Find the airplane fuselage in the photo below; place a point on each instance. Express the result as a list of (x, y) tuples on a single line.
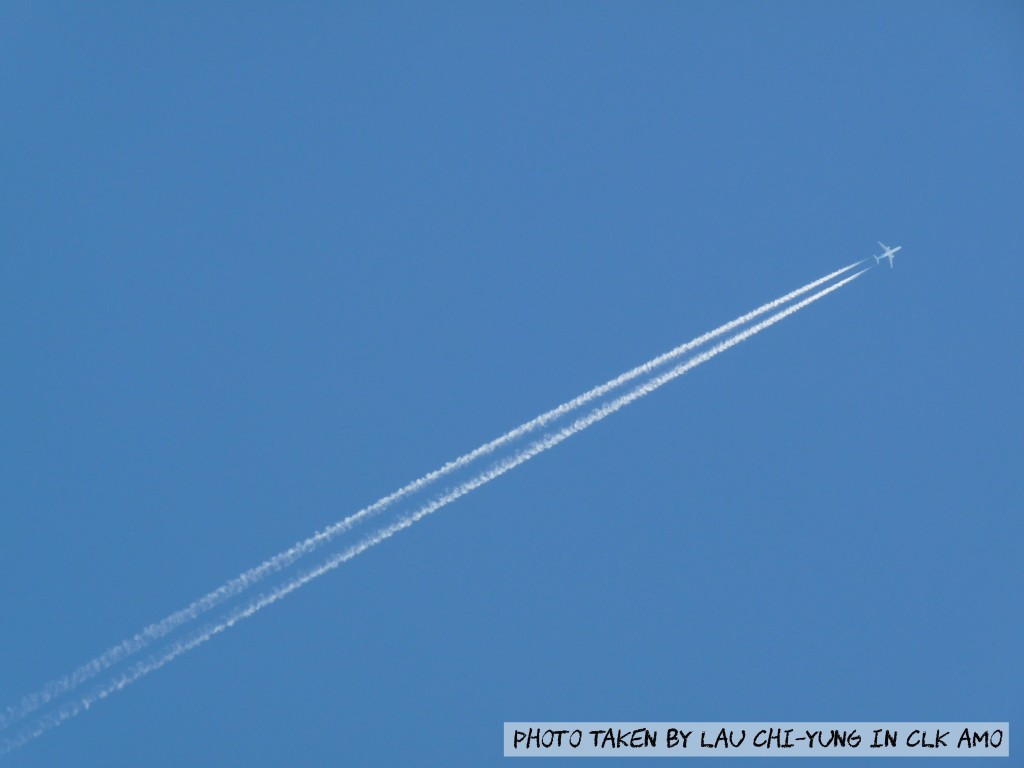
[(890, 254)]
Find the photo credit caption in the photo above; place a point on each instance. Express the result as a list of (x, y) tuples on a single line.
[(778, 739)]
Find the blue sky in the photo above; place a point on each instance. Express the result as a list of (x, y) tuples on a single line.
[(263, 265)]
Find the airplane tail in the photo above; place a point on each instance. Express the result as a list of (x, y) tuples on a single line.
[(878, 259)]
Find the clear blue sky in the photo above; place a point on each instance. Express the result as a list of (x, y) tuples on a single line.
[(261, 265)]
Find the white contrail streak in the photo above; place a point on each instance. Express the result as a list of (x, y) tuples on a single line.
[(549, 441), (279, 561)]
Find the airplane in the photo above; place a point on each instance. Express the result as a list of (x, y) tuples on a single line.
[(890, 254)]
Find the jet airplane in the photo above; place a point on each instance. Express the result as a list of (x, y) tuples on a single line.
[(890, 254)]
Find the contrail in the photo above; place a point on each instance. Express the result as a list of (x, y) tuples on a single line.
[(239, 584), (238, 614)]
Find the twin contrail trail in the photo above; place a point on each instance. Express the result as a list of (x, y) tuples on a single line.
[(256, 604), (244, 581)]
